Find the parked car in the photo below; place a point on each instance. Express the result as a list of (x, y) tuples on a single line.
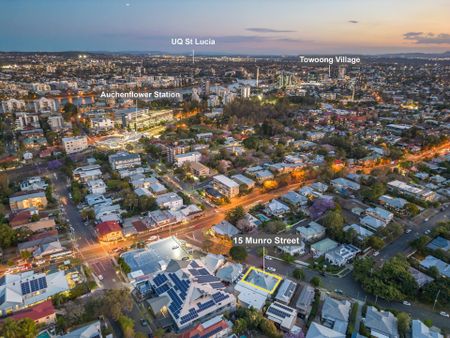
[(268, 258), (444, 314), (271, 269), (405, 302), (339, 291), (376, 253)]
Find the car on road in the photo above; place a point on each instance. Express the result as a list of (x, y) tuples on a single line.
[(268, 258), (408, 231), (376, 253), (426, 219), (339, 291), (444, 314), (100, 277), (427, 232), (405, 302), (272, 269), (143, 322)]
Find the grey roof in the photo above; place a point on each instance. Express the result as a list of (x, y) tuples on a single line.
[(381, 321), (319, 331)]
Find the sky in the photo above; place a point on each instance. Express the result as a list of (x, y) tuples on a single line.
[(282, 27)]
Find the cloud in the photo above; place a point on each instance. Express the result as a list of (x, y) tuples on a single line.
[(427, 38), (267, 30), (353, 21)]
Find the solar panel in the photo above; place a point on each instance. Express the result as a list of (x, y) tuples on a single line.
[(2, 298), (204, 306), (283, 307), (277, 312), (42, 283), (34, 285), (217, 285), (194, 264), (163, 288), (212, 333), (25, 286), (207, 279), (218, 297), (203, 271), (160, 279), (194, 272)]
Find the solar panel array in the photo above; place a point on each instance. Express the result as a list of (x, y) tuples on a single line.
[(217, 285), (190, 316), (277, 312), (2, 298), (219, 296), (163, 288), (284, 307), (204, 306), (160, 279), (33, 285)]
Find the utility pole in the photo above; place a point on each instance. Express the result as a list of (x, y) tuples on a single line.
[(264, 258), (435, 300)]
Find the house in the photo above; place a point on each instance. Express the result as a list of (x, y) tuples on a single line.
[(420, 277), (42, 245), (430, 261), (293, 249), (335, 314), (124, 160), (381, 214), (189, 294), (420, 330), (33, 183), (276, 208), (225, 228), (263, 175), (439, 243), (286, 291), (230, 272), (283, 315), (44, 223), (91, 330), (312, 232), (75, 144), (169, 201), (109, 231), (199, 169), (305, 300), (319, 331), (225, 186), (319, 186), (190, 157), (215, 327), (42, 313), (342, 254), (97, 199), (28, 199), (244, 180), (322, 247), (382, 324), (372, 222), (362, 233), (213, 262), (395, 203), (411, 190), (294, 199), (345, 184), (87, 173), (19, 291), (97, 186)]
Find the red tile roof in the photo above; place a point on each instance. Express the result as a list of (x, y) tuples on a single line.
[(105, 228), (36, 312), (200, 331)]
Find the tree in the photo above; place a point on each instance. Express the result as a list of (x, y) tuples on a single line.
[(315, 281), (404, 322), (238, 253), (375, 242), (373, 192), (159, 333), (240, 326), (127, 326), (7, 236), (298, 274), (334, 222), (273, 227), (234, 215), (115, 302), (288, 258), (412, 209), (22, 328)]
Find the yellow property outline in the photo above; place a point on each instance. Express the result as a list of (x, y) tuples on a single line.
[(278, 278)]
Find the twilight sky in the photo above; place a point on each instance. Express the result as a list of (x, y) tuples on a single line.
[(238, 26)]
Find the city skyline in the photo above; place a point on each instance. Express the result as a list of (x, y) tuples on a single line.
[(326, 27)]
